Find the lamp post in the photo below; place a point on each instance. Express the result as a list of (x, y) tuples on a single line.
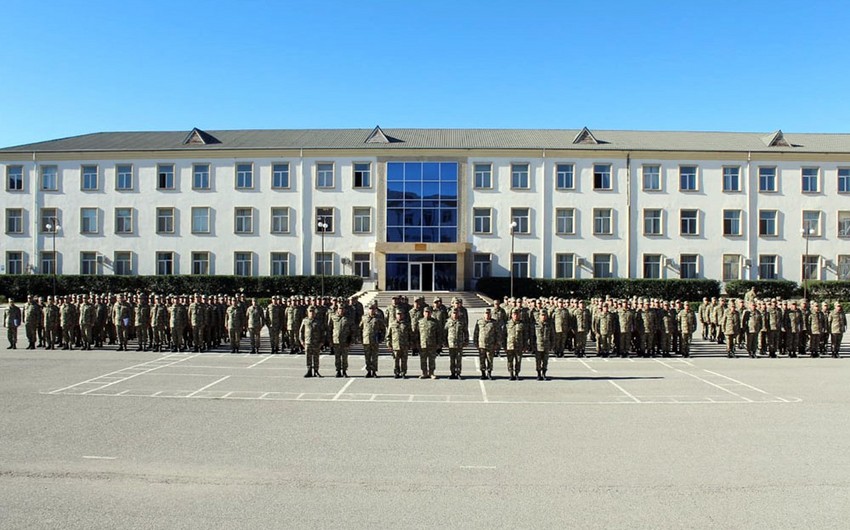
[(323, 226), (513, 231), (807, 232), (53, 227)]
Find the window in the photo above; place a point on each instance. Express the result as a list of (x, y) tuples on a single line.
[(811, 223), (122, 263), (243, 263), (482, 266), (519, 265), (843, 180), (201, 177), (565, 176), (731, 267), (565, 221), (48, 262), (483, 176), (165, 177), (482, 220), (49, 222), (200, 263), (362, 220), (767, 223), (324, 263), (14, 220), (519, 177), (49, 178), (843, 224), (689, 222), (280, 220), (362, 265), (564, 265), (124, 177), (768, 267), (732, 178), (521, 216), (810, 180), (280, 263), (731, 222), (325, 175), (652, 266), (88, 263), (165, 220), (280, 175), (245, 176), (810, 267), (88, 180), (767, 179), (602, 177), (326, 216), (14, 178), (602, 266), (688, 178), (88, 221), (200, 220), (165, 263), (14, 262), (688, 266), (651, 178), (844, 267), (602, 221), (422, 202), (652, 222), (244, 220), (363, 175), (123, 220)]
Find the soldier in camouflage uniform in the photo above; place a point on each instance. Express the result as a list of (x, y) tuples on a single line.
[(754, 321), (342, 337), (276, 322), (399, 339), (12, 319), (121, 317), (441, 314), (430, 337), (178, 320), (605, 331), (197, 322), (515, 343), (544, 336), (455, 341), (372, 332), (254, 322), (561, 324), (311, 335), (234, 321), (67, 319), (626, 318), (794, 328), (295, 313), (817, 330), (88, 314), (583, 324), (143, 323), (837, 326), (687, 325), (730, 325), (33, 318), (159, 321), (499, 315), (51, 323), (485, 337)]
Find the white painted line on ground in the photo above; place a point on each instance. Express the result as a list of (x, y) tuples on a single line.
[(208, 386), (706, 381), (100, 457), (261, 361), (592, 369), (483, 391), (140, 373), (110, 373), (738, 382), (623, 390), (343, 389), (478, 467)]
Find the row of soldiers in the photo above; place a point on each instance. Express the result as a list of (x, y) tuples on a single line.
[(771, 327)]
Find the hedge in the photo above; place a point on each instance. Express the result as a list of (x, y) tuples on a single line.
[(785, 289), (18, 286), (676, 289), (829, 290)]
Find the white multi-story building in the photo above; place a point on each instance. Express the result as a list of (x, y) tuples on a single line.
[(431, 209)]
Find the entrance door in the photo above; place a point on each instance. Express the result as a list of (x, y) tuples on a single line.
[(420, 277)]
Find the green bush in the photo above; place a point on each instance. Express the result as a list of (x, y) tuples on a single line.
[(691, 290), (785, 289), (18, 286), (829, 290)]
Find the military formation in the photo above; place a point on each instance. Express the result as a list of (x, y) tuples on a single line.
[(516, 327)]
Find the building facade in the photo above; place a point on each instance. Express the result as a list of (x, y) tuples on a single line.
[(431, 209)]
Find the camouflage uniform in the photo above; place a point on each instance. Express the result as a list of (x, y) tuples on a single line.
[(143, 324), (342, 337), (372, 332), (311, 336), (159, 321), (583, 323), (88, 314), (399, 339), (33, 318), (12, 319), (430, 336), (515, 343), (68, 318), (544, 335), (177, 324), (235, 322), (837, 327), (197, 321), (254, 322), (687, 324), (486, 336), (456, 339)]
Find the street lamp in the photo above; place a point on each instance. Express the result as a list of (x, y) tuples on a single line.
[(806, 233), (323, 226), (513, 233), (53, 227)]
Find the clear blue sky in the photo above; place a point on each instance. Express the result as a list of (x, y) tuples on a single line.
[(70, 68)]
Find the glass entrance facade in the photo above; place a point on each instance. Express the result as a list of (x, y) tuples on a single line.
[(422, 202), (421, 272)]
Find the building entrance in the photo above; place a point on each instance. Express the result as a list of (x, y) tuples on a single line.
[(421, 272)]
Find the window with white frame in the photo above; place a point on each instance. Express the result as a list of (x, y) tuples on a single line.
[(14, 220), (280, 176), (201, 177), (14, 262), (49, 221), (565, 176), (243, 263), (324, 216), (810, 267), (732, 178), (519, 177), (124, 220), (482, 175), (48, 262), (89, 178), (811, 223), (88, 221), (165, 263), (688, 266), (201, 220), (651, 177), (731, 222), (767, 179), (122, 263), (522, 218), (602, 221), (280, 220), (49, 178), (362, 175), (14, 178), (325, 175), (200, 263), (165, 177), (565, 221), (88, 263), (844, 267), (565, 265), (844, 224), (324, 263), (689, 222), (810, 177), (731, 267), (482, 220), (362, 264), (602, 177), (688, 178), (280, 263), (520, 266), (362, 220), (652, 266), (482, 265), (603, 266), (165, 220), (124, 177), (768, 225), (653, 221), (768, 267), (244, 176), (243, 220), (843, 180)]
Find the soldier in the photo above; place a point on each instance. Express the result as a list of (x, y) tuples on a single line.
[(12, 319), (687, 321), (485, 336), (543, 345), (583, 323), (515, 343), (234, 320), (441, 314), (372, 331), (430, 337), (51, 323), (455, 340), (342, 337), (295, 313), (626, 318), (772, 322), (703, 317), (730, 325), (159, 322), (817, 330), (33, 317), (794, 327), (88, 314), (255, 322), (605, 331), (67, 319), (311, 335), (276, 322), (837, 327), (754, 321), (121, 317), (177, 324), (499, 316), (143, 323), (399, 338), (650, 325), (197, 323), (561, 323), (669, 342)]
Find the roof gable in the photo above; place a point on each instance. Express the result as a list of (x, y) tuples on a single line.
[(777, 139), (584, 136), (199, 137), (377, 136)]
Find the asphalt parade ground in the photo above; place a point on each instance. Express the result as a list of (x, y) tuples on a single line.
[(106, 439)]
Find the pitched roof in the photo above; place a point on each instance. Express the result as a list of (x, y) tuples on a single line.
[(444, 139)]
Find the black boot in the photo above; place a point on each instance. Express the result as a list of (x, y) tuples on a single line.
[(338, 373), (316, 373), (483, 375), (539, 375), (345, 373), (309, 373)]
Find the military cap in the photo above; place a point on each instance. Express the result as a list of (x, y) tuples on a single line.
[(438, 299), (399, 312), (427, 309), (487, 311)]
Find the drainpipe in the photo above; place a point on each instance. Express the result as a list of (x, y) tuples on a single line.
[(35, 189), (629, 213), (546, 257), (753, 219), (306, 229)]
